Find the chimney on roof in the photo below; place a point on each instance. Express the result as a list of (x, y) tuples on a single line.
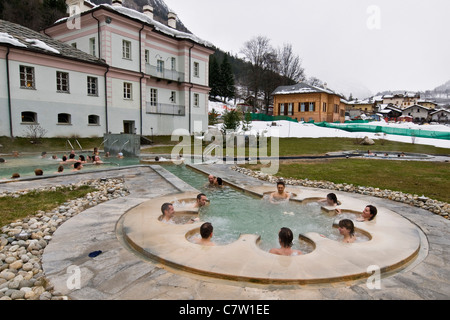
[(74, 7), (325, 85), (172, 20), (148, 10), (117, 3)]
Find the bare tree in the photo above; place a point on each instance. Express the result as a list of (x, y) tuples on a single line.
[(290, 66), (313, 81), (259, 53)]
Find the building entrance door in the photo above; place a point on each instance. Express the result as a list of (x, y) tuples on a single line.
[(128, 127)]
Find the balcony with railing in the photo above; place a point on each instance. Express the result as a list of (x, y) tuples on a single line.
[(168, 109), (166, 74)]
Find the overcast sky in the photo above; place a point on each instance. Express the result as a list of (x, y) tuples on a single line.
[(350, 44)]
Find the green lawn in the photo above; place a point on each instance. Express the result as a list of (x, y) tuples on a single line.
[(415, 177), (319, 146), (12, 209)]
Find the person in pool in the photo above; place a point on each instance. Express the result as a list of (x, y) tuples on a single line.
[(168, 214), (331, 201), (201, 200), (206, 233), (347, 229), (369, 213), (280, 194), (285, 238)]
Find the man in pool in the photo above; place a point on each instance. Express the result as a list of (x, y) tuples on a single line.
[(206, 233), (211, 181), (280, 194), (285, 238), (168, 214), (201, 200)]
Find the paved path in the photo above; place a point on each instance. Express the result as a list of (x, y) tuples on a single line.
[(120, 273)]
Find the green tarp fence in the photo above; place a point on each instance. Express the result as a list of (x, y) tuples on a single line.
[(386, 129), (265, 117)]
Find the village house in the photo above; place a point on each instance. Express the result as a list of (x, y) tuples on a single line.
[(308, 103), (132, 75), (402, 101), (418, 113), (440, 116)]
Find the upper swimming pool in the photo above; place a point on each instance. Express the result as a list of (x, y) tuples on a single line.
[(26, 164)]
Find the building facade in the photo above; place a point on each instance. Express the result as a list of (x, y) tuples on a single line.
[(308, 103), (48, 85), (112, 70), (157, 79)]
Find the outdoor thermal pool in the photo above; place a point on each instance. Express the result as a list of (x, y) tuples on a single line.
[(246, 227)]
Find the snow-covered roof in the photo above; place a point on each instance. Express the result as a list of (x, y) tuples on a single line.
[(440, 110), (15, 35), (416, 106), (301, 88), (142, 17)]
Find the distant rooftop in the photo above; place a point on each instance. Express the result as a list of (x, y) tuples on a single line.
[(302, 88)]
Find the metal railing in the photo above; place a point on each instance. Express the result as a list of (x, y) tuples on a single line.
[(166, 74), (169, 109)]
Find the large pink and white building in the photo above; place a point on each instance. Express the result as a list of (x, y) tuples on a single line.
[(151, 78)]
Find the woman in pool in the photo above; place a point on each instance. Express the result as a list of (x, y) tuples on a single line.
[(369, 213), (331, 201), (347, 229), (285, 237)]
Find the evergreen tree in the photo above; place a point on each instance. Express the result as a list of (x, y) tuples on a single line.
[(214, 77), (226, 79), (213, 117), (247, 122), (231, 121)]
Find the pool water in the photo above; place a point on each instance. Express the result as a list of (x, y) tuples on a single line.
[(233, 213), (25, 165)]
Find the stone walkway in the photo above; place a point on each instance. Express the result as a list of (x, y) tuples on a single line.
[(120, 273)]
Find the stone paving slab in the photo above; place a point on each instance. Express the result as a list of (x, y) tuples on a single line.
[(120, 273)]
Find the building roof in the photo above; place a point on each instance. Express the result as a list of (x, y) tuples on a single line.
[(15, 35), (416, 106), (302, 88), (440, 110), (142, 17)]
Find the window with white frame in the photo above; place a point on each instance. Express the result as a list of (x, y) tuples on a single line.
[(196, 69), (126, 49), (27, 77), (312, 106), (302, 107), (127, 90), (92, 47), (173, 63), (62, 82), (153, 97), (147, 56), (92, 86), (160, 66), (196, 100), (290, 109)]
